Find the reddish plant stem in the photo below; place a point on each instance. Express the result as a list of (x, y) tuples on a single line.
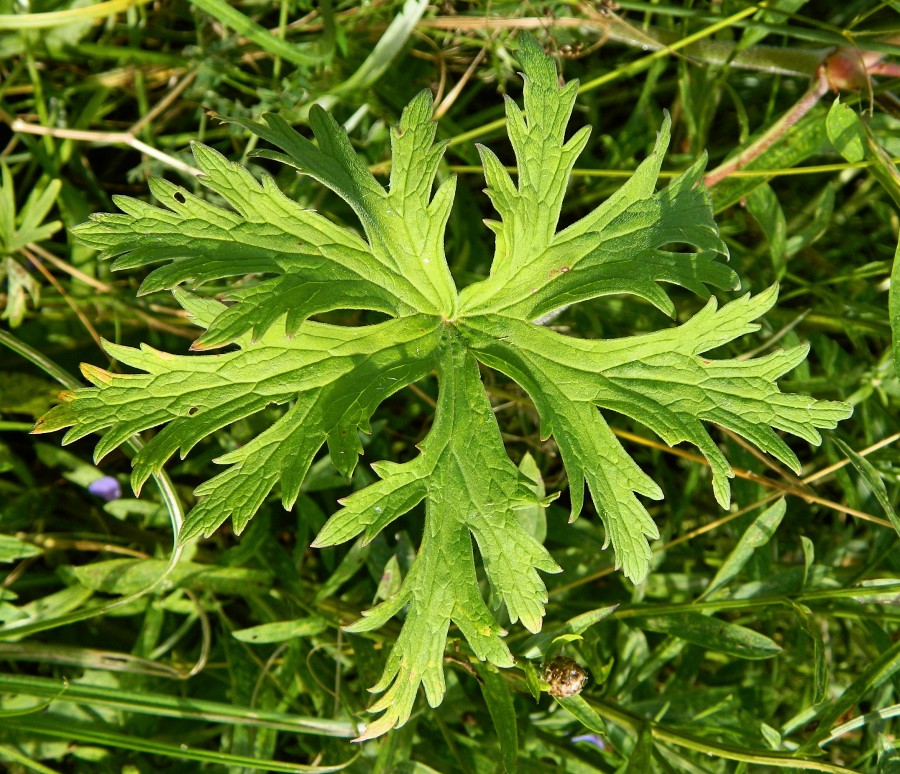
[(807, 102), (843, 69)]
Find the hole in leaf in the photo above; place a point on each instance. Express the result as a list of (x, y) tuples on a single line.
[(193, 410), (179, 197)]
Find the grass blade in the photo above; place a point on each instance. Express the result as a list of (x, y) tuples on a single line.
[(499, 700), (712, 634), (233, 18), (755, 536)]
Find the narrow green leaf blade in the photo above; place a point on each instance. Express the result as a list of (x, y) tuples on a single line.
[(894, 310), (846, 132), (881, 670), (801, 141), (813, 628), (873, 480), (583, 712), (12, 549), (499, 699), (229, 15), (281, 631), (755, 536), (712, 634), (386, 49), (128, 576), (641, 758), (763, 205)]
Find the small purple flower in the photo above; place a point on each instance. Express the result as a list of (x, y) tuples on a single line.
[(593, 739), (106, 488)]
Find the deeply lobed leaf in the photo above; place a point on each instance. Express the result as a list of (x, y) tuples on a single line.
[(331, 379), (660, 380), (471, 489), (334, 376)]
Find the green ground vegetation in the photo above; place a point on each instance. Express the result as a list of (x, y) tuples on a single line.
[(762, 631)]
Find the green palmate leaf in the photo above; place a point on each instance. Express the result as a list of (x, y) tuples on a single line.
[(285, 264), (335, 377), (657, 379), (470, 488)]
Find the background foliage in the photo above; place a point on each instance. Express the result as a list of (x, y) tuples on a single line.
[(764, 637)]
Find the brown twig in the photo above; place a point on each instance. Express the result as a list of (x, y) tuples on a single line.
[(104, 138), (812, 477), (36, 262), (807, 102)]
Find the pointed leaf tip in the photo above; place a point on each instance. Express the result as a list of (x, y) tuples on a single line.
[(331, 378)]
